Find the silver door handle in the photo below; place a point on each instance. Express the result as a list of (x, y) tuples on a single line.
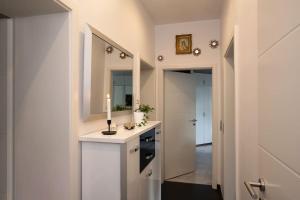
[(250, 185), (193, 120)]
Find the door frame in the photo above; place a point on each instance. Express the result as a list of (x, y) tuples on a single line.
[(9, 107), (215, 111)]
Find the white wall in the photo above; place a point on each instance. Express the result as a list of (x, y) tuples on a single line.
[(244, 14), (41, 108), (228, 19), (129, 25), (246, 98), (202, 31), (148, 81)]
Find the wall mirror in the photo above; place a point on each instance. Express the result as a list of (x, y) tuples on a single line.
[(108, 69)]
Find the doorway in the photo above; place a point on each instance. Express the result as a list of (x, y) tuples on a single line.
[(229, 137), (188, 126)]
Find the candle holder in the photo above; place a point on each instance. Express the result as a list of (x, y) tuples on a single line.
[(109, 132)]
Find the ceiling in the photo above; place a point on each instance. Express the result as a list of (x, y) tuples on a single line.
[(20, 8), (176, 11)]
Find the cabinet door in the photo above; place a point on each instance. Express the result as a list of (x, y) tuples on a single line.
[(147, 183), (157, 165), (133, 167), (150, 178)]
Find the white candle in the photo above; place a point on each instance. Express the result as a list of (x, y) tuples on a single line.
[(108, 107)]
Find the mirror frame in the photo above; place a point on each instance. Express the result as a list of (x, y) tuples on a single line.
[(87, 72)]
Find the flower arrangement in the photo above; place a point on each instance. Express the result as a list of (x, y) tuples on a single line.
[(141, 115)]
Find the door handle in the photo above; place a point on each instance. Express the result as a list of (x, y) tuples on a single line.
[(250, 185), (193, 120)]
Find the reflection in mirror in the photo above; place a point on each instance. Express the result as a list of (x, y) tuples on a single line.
[(107, 70), (98, 66), (122, 90)]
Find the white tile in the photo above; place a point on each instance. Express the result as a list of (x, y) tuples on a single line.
[(274, 21), (279, 97)]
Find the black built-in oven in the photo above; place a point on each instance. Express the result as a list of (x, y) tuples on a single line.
[(147, 148)]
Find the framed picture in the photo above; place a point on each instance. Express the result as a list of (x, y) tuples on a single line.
[(184, 44)]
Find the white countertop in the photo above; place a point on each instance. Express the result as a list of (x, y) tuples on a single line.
[(122, 135)]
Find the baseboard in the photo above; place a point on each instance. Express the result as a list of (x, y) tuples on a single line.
[(204, 144), (220, 191)]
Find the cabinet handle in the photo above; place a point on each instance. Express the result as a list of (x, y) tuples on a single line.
[(148, 157), (149, 173), (157, 132), (149, 139), (135, 149)]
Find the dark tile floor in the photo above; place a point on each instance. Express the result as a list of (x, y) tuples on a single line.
[(188, 191)]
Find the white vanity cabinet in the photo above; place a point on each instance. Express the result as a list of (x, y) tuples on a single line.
[(111, 166)]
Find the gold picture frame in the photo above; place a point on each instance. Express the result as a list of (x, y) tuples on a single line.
[(184, 44)]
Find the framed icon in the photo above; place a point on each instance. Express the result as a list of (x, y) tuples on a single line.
[(184, 44)]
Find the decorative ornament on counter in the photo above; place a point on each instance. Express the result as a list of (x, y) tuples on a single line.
[(213, 44), (196, 52), (123, 55), (129, 125), (109, 49), (160, 58), (108, 108)]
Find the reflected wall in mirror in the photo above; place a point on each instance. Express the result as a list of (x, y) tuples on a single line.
[(107, 70), (122, 90)]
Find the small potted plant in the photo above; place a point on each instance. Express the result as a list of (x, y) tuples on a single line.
[(141, 115)]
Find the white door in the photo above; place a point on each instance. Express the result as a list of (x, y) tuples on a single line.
[(204, 109), (180, 130), (279, 98)]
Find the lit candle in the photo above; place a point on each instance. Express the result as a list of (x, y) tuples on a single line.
[(108, 107)]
